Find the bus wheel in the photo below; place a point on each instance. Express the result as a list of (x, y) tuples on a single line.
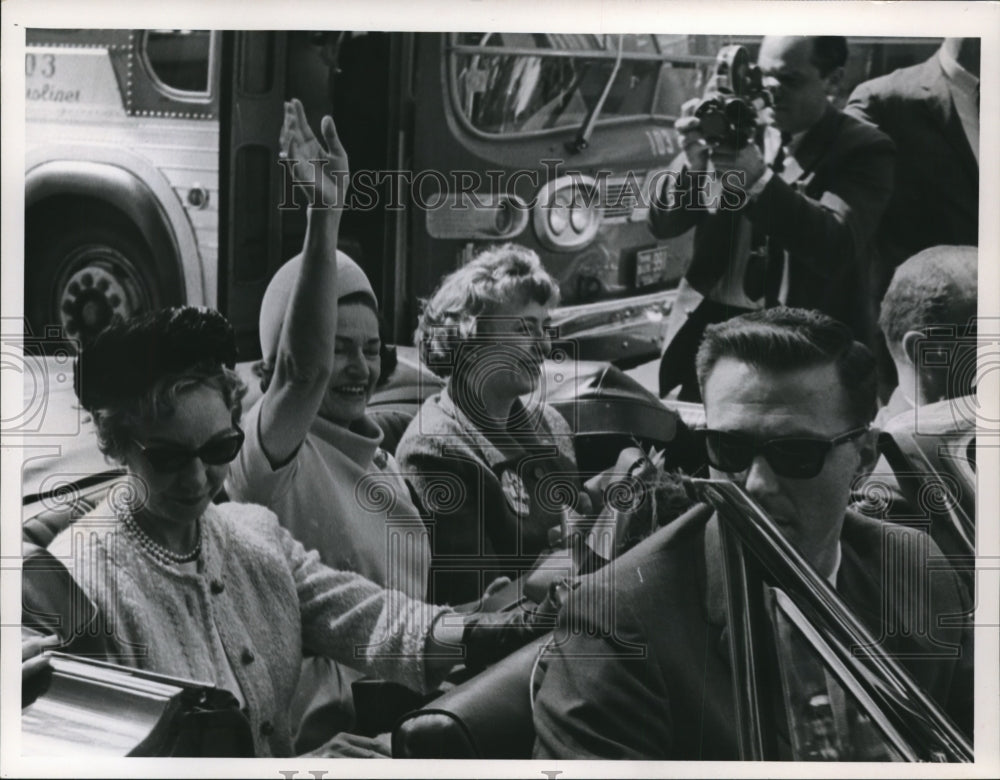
[(85, 277)]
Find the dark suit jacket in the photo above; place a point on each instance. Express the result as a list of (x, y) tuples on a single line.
[(824, 219), (646, 675), (936, 199)]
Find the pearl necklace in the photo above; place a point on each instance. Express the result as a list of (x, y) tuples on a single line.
[(158, 551)]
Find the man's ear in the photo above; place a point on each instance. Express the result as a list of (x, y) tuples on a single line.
[(911, 345), (833, 81)]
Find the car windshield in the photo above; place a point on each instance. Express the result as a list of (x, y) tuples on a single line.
[(515, 83)]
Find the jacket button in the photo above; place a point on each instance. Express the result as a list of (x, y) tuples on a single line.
[(247, 656), (217, 587), (267, 728)]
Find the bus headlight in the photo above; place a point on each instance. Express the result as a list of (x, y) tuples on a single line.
[(567, 213)]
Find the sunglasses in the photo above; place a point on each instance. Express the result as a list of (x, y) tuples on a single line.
[(167, 459), (798, 457)]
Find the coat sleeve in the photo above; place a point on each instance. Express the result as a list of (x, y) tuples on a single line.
[(829, 234), (458, 492), (600, 699), (356, 622), (864, 104), (673, 211)]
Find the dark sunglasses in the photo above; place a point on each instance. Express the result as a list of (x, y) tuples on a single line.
[(798, 457), (167, 459)]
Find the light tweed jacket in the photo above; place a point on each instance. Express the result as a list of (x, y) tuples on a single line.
[(258, 600)]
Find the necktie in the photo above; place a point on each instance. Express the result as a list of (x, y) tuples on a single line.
[(766, 264), (775, 268)]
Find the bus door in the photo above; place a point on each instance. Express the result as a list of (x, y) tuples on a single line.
[(251, 230), (365, 85)]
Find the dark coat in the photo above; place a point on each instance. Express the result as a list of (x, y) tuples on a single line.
[(936, 198), (824, 219), (645, 671)]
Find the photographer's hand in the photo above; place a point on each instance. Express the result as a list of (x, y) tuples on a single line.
[(748, 161), (688, 127)]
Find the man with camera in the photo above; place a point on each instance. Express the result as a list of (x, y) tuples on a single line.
[(799, 202)]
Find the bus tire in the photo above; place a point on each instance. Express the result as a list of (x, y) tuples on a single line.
[(82, 276)]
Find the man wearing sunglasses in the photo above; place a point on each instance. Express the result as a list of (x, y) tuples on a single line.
[(641, 666)]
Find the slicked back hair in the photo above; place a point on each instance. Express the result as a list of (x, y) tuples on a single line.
[(787, 339)]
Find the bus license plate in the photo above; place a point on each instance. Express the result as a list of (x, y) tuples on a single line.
[(650, 265)]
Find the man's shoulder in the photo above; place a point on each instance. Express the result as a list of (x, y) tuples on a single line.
[(665, 565), (875, 541), (854, 133), (901, 84)]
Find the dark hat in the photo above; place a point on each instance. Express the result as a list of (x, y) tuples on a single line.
[(130, 356)]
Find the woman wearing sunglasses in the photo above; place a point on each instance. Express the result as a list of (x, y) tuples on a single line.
[(221, 593)]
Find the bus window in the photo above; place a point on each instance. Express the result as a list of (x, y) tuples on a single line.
[(179, 61), (518, 83)]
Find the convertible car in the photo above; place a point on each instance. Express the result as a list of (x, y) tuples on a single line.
[(490, 714)]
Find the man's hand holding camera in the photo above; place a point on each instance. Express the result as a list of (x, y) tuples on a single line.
[(725, 165), (747, 163), (717, 130), (688, 127)]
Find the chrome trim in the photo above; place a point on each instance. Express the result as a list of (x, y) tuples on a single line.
[(180, 94), (743, 632), (929, 730), (546, 196), (590, 54), (844, 676)]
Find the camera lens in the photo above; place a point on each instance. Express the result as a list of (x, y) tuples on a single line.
[(713, 124)]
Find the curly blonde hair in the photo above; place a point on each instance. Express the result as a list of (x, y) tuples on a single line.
[(496, 277)]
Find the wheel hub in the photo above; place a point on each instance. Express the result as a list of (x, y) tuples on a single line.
[(100, 285)]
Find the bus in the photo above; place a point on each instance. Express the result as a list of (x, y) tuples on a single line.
[(152, 174)]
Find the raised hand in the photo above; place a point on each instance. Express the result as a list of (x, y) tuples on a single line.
[(320, 172)]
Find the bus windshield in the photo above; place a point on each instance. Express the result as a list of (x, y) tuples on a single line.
[(520, 83)]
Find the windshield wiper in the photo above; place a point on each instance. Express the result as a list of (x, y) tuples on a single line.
[(582, 140)]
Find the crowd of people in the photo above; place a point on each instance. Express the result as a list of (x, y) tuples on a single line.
[(248, 550)]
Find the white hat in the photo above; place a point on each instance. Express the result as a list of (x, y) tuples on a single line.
[(273, 309)]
